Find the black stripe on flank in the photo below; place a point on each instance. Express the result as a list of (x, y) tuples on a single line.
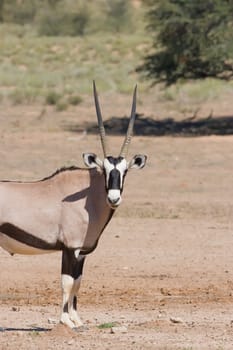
[(24, 237)]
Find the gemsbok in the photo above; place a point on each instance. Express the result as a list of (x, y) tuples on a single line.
[(67, 211)]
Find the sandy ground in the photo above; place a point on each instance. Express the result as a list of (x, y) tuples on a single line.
[(164, 265)]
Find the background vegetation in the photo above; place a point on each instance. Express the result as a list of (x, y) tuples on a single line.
[(51, 50), (191, 40)]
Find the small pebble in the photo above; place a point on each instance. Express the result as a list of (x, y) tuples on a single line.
[(70, 342), (52, 321), (176, 320), (120, 329), (15, 308)]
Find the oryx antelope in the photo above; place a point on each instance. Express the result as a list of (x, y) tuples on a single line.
[(67, 211)]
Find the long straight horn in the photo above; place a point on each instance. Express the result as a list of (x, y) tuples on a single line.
[(125, 146), (100, 121)]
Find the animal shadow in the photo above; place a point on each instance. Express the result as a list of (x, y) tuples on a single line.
[(29, 329)]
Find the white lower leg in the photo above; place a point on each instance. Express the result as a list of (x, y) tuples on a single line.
[(67, 285), (73, 303)]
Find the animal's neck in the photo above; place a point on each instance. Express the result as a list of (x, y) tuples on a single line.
[(99, 211)]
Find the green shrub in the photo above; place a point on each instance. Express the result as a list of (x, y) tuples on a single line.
[(61, 106), (52, 98), (19, 12), (191, 40), (63, 22), (74, 100), (118, 15), (23, 95)]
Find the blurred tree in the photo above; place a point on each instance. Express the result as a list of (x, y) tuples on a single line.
[(118, 14), (1, 10), (53, 3), (60, 19), (191, 40), (19, 11)]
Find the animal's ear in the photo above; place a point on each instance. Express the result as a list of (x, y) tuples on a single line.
[(92, 161), (137, 162)]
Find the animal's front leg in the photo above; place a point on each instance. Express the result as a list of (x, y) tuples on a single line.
[(72, 266), (67, 282), (77, 275)]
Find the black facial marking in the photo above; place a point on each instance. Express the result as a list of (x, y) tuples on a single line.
[(114, 160), (114, 182), (123, 181)]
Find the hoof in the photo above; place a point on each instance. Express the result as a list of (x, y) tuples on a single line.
[(80, 329)]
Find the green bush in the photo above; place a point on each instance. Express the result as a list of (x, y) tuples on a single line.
[(61, 106), (74, 100), (60, 22), (118, 15), (71, 17), (19, 12), (52, 98), (191, 40)]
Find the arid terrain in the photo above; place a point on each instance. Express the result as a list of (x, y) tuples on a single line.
[(163, 268)]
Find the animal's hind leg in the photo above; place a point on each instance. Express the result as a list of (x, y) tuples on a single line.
[(72, 266)]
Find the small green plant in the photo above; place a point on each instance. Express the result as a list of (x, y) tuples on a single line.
[(34, 333), (107, 325)]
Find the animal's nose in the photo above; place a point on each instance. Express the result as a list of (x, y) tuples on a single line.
[(114, 197), (114, 200)]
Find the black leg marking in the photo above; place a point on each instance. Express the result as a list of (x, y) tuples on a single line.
[(72, 268), (78, 267), (71, 265), (75, 303), (66, 308)]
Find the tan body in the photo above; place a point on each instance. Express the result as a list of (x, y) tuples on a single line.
[(68, 209)]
